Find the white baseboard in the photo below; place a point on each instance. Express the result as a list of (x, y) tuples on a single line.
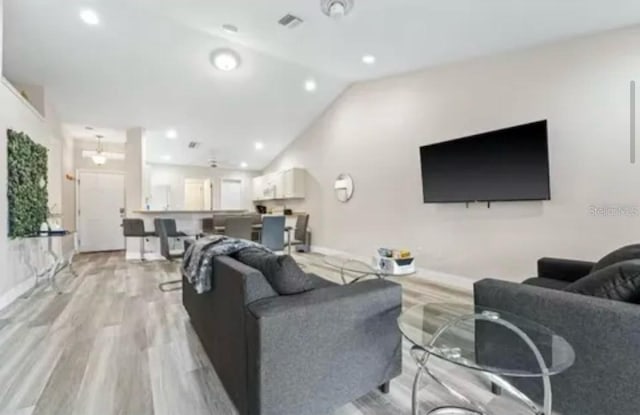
[(441, 278), (14, 293)]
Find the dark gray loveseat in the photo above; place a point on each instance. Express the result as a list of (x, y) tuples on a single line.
[(605, 335), (299, 354)]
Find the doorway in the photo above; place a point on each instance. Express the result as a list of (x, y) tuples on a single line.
[(101, 207)]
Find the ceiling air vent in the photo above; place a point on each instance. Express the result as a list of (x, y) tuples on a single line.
[(194, 144), (290, 21)]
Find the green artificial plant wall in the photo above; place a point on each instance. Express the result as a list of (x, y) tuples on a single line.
[(27, 187)]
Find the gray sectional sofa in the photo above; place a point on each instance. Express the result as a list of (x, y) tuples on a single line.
[(308, 353), (604, 333)]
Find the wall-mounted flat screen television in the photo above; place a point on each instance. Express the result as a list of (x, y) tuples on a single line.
[(511, 164)]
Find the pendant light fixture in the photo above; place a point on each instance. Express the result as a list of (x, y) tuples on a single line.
[(99, 158)]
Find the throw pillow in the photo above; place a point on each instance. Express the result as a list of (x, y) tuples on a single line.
[(282, 271), (620, 282), (622, 254)]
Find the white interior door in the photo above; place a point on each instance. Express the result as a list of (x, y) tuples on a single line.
[(100, 210), (208, 194), (193, 194), (232, 194)]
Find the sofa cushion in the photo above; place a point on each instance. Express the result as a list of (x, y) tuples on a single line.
[(282, 271), (620, 282), (621, 254)]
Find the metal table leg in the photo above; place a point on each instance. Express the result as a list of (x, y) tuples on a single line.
[(421, 356)]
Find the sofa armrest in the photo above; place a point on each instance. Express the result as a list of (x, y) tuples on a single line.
[(569, 270), (605, 336), (316, 351)]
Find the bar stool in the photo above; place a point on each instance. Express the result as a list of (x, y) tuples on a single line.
[(170, 228), (134, 228), (163, 235)]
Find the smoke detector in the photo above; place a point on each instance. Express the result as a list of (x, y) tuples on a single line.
[(336, 9), (213, 163)]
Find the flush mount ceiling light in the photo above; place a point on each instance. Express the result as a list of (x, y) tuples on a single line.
[(225, 59), (172, 134), (259, 146), (99, 159), (336, 9), (368, 59), (229, 28), (244, 165), (90, 17), (310, 85)]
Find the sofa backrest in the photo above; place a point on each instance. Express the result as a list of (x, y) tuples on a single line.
[(219, 315), (605, 336)]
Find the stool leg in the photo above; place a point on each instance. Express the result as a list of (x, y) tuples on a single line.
[(142, 258)]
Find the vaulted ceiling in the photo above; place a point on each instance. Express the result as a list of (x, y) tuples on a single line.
[(147, 62)]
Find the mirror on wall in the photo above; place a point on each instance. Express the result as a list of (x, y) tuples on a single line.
[(343, 188)]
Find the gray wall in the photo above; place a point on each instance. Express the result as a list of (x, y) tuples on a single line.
[(374, 130)]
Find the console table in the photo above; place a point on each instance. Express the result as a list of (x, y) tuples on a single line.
[(58, 261)]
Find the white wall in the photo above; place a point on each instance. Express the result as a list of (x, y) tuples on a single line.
[(68, 184), (375, 129), (16, 255), (174, 176)]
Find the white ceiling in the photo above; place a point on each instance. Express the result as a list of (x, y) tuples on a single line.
[(91, 133), (147, 62)]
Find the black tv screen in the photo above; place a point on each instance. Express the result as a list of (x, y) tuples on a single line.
[(504, 165)]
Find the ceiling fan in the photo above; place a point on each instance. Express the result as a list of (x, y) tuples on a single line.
[(336, 9)]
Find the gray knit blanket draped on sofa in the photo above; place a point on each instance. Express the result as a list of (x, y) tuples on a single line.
[(197, 263)]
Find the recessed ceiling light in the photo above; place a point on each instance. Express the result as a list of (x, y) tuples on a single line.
[(172, 134), (310, 85), (259, 146), (369, 59), (90, 17), (244, 165), (225, 59), (166, 157), (229, 28)]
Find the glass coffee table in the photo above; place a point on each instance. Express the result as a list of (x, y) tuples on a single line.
[(359, 269), (492, 343)]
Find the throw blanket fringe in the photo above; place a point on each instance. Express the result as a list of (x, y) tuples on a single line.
[(197, 264)]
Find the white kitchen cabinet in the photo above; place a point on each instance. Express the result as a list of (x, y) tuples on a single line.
[(293, 183), (288, 184), (257, 185)]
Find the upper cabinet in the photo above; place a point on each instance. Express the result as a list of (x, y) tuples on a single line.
[(288, 184)]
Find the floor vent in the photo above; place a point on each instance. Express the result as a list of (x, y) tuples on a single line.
[(290, 21)]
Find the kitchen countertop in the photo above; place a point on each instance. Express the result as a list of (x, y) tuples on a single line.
[(188, 212)]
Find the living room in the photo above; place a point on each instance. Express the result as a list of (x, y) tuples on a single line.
[(191, 110)]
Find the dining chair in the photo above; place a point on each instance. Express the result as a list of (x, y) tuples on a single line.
[(300, 233), (239, 227), (272, 235)]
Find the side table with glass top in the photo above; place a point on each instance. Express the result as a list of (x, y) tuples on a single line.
[(358, 268), (492, 343)]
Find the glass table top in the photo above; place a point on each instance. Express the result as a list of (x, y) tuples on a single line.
[(485, 339), (356, 266)]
